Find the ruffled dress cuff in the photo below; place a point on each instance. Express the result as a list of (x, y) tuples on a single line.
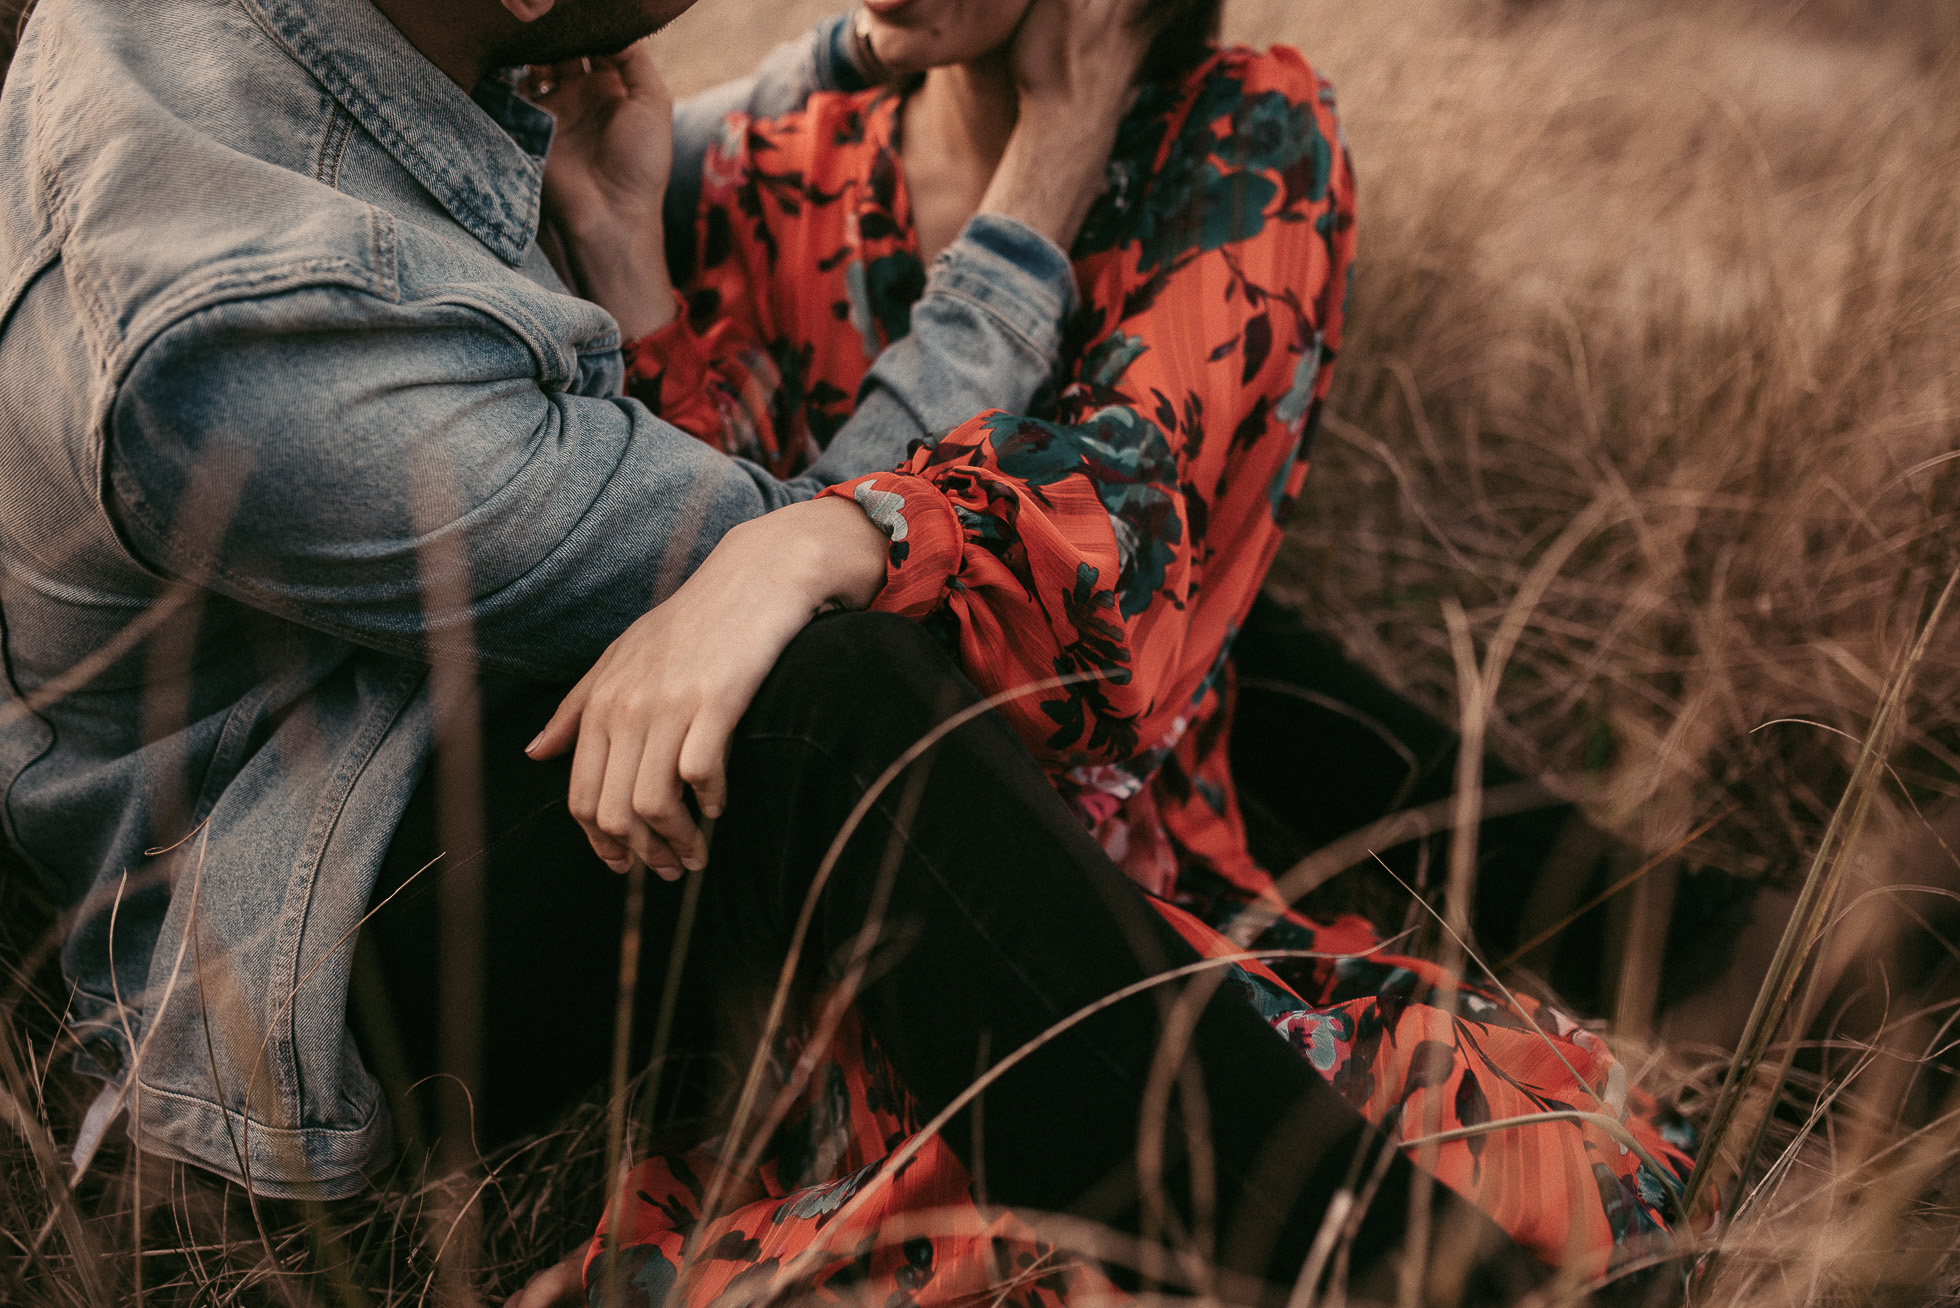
[(927, 539)]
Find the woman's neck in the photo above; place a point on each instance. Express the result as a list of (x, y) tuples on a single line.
[(957, 125)]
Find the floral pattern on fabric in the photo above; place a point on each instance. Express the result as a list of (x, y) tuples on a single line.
[(1116, 539)]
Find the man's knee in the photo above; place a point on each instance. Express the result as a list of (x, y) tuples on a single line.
[(848, 667)]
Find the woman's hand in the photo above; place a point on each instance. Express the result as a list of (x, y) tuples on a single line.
[(654, 715), (1075, 65), (605, 180), (1079, 57)]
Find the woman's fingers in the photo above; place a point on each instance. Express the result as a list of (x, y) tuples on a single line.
[(659, 805), (590, 765), (560, 733), (703, 761), (614, 814), (654, 716)]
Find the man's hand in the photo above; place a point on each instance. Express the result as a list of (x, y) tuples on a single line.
[(606, 179), (1075, 65), (653, 717)]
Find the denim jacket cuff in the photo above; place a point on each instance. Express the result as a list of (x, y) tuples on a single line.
[(1012, 273)]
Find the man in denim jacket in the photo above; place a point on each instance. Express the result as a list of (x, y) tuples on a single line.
[(292, 410)]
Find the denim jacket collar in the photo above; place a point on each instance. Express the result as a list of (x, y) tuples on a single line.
[(482, 157)]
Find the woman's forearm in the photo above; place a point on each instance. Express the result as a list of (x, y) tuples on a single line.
[(625, 273), (1050, 176), (1075, 68)]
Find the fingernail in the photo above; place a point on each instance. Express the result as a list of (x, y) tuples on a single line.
[(619, 865), (711, 811), (532, 748), (694, 864)]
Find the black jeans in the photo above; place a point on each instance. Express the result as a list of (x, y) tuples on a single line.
[(1320, 748), (551, 919), (1001, 916)]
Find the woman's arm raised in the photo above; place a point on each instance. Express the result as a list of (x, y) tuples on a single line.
[(1085, 547)]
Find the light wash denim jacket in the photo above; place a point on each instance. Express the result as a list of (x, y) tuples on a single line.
[(291, 405)]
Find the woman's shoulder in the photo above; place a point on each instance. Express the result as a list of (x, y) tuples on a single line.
[(1280, 68)]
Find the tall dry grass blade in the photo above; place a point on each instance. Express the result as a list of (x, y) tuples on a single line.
[(752, 1083), (670, 993), (65, 1216), (895, 1163), (618, 1162), (1800, 937)]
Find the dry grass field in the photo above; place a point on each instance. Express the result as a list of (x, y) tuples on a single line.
[(1644, 464)]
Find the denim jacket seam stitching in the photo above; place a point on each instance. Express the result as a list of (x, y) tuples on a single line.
[(231, 738), (304, 883), (538, 342), (301, 48), (333, 146), (173, 308), (99, 328), (251, 1124), (387, 251)]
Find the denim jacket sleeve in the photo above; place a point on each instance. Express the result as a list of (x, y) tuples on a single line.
[(987, 334), (396, 474)]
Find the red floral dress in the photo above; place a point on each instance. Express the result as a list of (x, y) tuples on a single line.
[(1114, 542)]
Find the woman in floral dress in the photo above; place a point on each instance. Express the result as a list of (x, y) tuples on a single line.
[(1111, 539)]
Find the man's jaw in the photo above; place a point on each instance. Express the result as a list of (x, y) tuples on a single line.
[(587, 29)]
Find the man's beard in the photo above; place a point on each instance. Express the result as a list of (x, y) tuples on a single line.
[(579, 29)]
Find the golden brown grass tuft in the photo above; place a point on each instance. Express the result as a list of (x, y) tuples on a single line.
[(1701, 268), (1697, 269)]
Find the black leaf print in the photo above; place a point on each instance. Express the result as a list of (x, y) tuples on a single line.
[(1224, 349), (1472, 1109), (1258, 345), (719, 240), (1430, 1063), (1253, 425), (1166, 412)]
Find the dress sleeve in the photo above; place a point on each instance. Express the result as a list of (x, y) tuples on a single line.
[(1076, 549)]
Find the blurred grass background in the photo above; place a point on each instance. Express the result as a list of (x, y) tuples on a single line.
[(1692, 267)]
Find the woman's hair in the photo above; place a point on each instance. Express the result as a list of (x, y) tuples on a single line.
[(1187, 30)]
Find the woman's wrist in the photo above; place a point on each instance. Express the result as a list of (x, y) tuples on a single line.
[(841, 550), (1053, 170), (624, 272)]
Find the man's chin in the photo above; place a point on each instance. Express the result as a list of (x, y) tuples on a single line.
[(590, 29)]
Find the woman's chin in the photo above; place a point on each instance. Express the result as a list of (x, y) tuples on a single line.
[(912, 36)]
